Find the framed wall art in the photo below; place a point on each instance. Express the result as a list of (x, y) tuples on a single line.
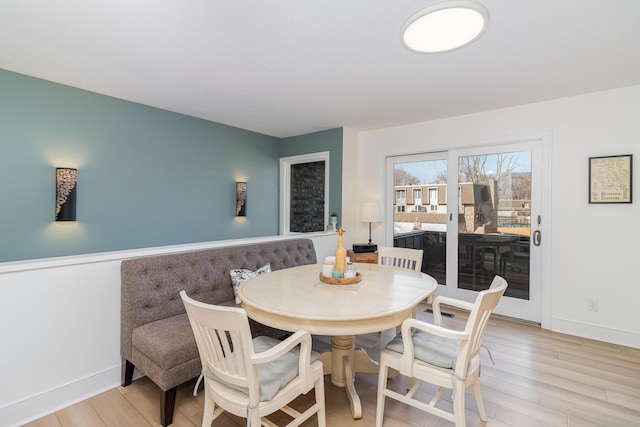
[(610, 179)]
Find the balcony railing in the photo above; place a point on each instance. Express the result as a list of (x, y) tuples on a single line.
[(480, 258)]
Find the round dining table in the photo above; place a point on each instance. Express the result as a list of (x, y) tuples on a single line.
[(295, 299)]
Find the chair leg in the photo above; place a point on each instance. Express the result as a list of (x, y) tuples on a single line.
[(479, 403), (458, 404), (319, 391), (127, 373), (382, 385), (209, 408), (255, 418), (167, 403)]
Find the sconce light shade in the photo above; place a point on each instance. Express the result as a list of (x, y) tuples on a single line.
[(241, 199), (66, 184)]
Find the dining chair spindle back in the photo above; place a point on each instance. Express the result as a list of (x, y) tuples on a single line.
[(252, 378)]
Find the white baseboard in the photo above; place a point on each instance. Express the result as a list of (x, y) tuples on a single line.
[(596, 332), (33, 407)]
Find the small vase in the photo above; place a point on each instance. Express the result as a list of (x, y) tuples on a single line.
[(341, 253)]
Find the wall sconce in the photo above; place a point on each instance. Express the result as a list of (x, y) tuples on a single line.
[(66, 184), (241, 199)]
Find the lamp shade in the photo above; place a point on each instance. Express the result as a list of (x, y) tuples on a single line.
[(370, 212)]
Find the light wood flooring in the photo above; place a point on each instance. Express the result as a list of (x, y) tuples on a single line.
[(540, 378)]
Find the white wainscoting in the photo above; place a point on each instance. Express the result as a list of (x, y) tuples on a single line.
[(60, 331)]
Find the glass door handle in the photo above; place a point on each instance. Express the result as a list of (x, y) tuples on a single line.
[(537, 237)]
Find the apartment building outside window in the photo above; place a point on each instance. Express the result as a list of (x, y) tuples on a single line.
[(433, 199)]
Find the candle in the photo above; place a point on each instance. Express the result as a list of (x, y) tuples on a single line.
[(327, 269)]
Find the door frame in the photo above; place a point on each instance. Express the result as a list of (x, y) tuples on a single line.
[(285, 186)]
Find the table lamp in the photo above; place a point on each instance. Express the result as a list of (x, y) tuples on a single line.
[(369, 212)]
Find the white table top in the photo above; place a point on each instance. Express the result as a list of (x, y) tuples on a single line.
[(295, 298)]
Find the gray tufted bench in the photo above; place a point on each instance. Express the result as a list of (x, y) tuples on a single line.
[(155, 334)]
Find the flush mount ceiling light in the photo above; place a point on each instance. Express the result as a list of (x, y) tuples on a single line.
[(444, 26)]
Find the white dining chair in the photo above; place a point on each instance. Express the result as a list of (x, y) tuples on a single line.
[(438, 355), (252, 378), (410, 259)]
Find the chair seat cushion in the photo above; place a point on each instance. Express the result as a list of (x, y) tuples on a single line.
[(274, 375), (429, 348)]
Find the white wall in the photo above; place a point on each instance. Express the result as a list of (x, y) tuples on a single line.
[(60, 332), (594, 249)]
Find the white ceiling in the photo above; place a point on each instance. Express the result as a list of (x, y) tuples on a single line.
[(291, 67)]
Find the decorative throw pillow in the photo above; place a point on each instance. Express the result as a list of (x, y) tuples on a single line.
[(239, 276)]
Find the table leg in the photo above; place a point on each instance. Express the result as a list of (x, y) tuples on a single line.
[(364, 363), (342, 370), (341, 347), (342, 362), (350, 388), (325, 358)]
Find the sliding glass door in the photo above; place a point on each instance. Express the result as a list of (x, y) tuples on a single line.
[(476, 213), (419, 208)]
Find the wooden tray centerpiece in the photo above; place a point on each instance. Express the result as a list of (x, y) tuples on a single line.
[(340, 281)]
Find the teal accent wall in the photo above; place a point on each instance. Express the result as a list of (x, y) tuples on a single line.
[(147, 177), (328, 140)]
